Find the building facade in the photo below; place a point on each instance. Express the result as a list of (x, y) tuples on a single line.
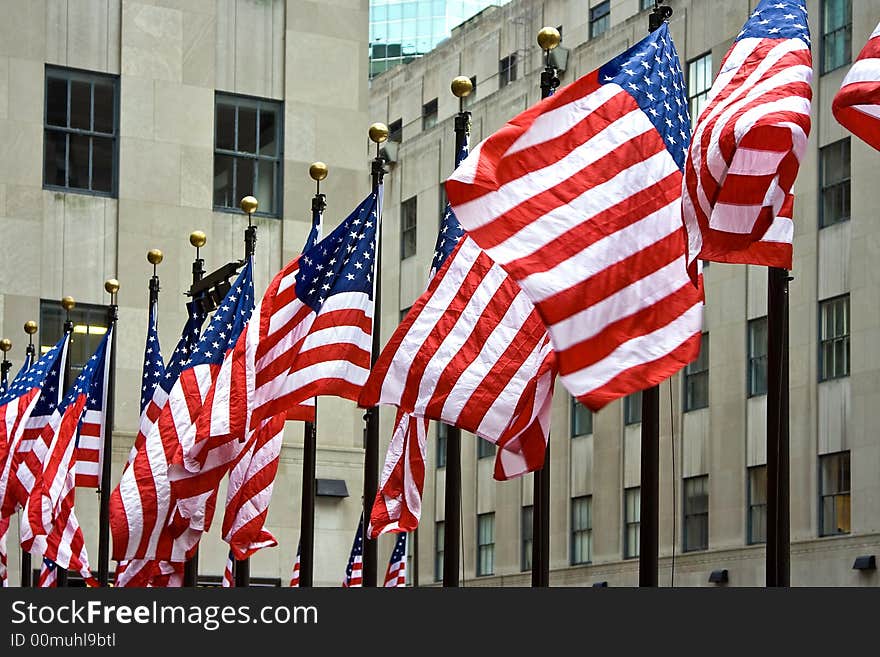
[(402, 30), (713, 414), (126, 125)]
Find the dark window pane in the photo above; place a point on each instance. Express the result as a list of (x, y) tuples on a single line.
[(247, 130), (54, 158), (80, 105), (78, 162), (225, 127), (223, 181), (244, 179), (265, 185), (102, 164), (103, 107), (268, 143), (56, 102)]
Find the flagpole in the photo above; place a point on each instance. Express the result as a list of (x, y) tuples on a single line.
[(249, 205), (461, 88), (68, 303), (198, 239), (378, 134), (548, 39), (777, 557), (112, 287), (5, 345), (649, 484), (318, 172), (27, 575)]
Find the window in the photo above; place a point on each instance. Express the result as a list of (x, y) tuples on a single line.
[(486, 544), (471, 98), (632, 408), (696, 379), (834, 494), (408, 227), (696, 513), (439, 538), (395, 131), (485, 449), (81, 129), (527, 519), (834, 338), (442, 437), (632, 504), (600, 18), (836, 34), (507, 70), (699, 83), (429, 114), (646, 4), (581, 419), (757, 374), (581, 529), (247, 152), (834, 168), (89, 326), (757, 504)]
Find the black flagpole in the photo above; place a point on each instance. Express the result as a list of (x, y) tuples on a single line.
[(461, 87), (318, 172), (378, 134), (27, 573), (548, 39), (649, 487), (248, 205), (112, 287), (778, 567), (197, 239), (5, 345), (68, 304)]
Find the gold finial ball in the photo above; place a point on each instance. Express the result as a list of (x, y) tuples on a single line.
[(249, 204), (318, 171), (549, 38), (154, 256), (5, 344), (68, 303), (198, 238), (462, 86), (111, 285), (378, 132), (30, 327)]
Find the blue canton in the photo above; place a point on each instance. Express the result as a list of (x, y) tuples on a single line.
[(90, 379), (451, 231), (773, 19), (399, 552), (46, 374), (189, 338), (154, 368), (28, 363), (342, 261), (227, 323), (315, 233), (651, 73)]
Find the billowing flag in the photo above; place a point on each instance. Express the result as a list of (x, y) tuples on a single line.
[(4, 555), (857, 105), (48, 575), (294, 577), (354, 571), (90, 436), (395, 575), (579, 199), (748, 143), (229, 572)]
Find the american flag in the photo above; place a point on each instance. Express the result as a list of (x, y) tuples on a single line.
[(294, 577), (396, 574), (579, 199), (354, 571), (90, 439), (48, 574), (142, 504), (25, 409), (229, 572), (857, 105), (49, 526), (4, 555), (748, 143)]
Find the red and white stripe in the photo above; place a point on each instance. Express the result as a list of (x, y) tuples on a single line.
[(578, 199), (745, 154), (4, 554), (856, 105), (90, 449), (15, 415), (229, 572), (48, 576), (294, 577)]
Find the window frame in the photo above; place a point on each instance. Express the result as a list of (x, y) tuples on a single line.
[(69, 75), (485, 449), (429, 114), (409, 209), (88, 312), (395, 131), (507, 70), (844, 337), (843, 183), (697, 99), (595, 17), (442, 435), (576, 533), (689, 374), (632, 551), (754, 361), (485, 548), (252, 102), (573, 414), (823, 48), (751, 505), (700, 514), (439, 549), (632, 408), (834, 495), (526, 519)]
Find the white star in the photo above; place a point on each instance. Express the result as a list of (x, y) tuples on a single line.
[(359, 265), (350, 277), (773, 30)]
